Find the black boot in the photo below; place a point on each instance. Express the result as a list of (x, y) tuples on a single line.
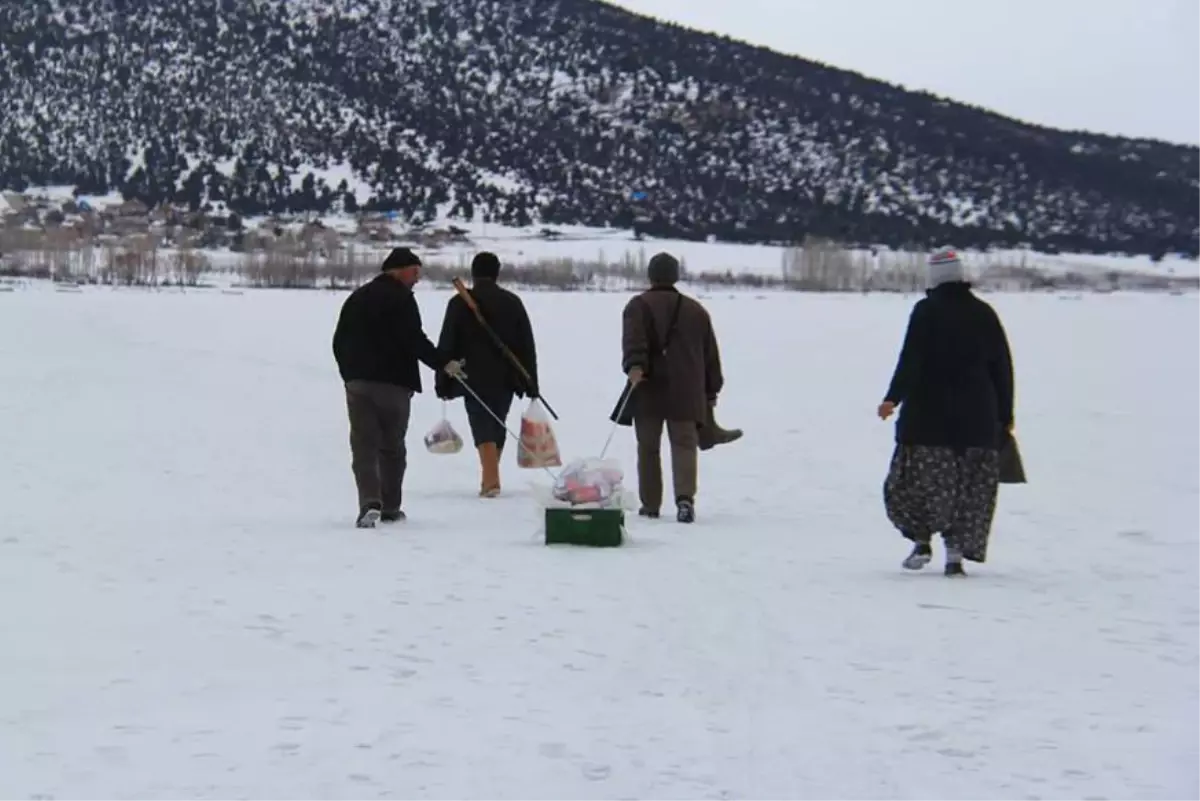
[(685, 510), (650, 513)]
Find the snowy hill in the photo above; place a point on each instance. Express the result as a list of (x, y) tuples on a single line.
[(553, 111)]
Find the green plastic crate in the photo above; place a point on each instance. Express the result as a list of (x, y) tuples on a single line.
[(598, 528)]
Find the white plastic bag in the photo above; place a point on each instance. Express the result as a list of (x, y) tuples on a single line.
[(442, 438), (538, 447), (590, 481)]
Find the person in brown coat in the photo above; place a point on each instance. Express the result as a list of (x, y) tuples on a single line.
[(670, 353)]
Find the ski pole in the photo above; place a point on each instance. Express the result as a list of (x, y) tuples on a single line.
[(612, 432), (503, 424)]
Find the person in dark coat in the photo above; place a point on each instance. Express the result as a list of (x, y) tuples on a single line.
[(377, 344), (676, 388), (491, 374), (953, 384)]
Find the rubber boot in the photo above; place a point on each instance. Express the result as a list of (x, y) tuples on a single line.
[(489, 468), (712, 435)]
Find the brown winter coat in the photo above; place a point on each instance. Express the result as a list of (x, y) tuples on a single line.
[(681, 384)]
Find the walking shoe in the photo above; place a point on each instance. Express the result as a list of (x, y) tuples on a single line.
[(921, 554), (393, 516), (954, 561), (368, 517), (685, 511), (651, 513)]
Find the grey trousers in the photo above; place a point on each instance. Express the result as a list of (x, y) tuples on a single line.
[(379, 416), (684, 437)]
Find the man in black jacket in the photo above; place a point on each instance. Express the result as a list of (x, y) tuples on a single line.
[(377, 344), (494, 378)]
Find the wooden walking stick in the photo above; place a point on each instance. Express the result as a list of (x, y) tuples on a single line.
[(461, 289)]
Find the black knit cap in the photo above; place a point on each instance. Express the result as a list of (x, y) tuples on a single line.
[(400, 257), (663, 270), (485, 265)]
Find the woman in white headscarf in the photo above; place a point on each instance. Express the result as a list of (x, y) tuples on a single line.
[(953, 384)]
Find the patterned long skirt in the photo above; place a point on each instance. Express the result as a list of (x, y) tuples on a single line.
[(930, 490)]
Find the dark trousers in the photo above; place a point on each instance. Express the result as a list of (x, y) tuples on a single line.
[(484, 427), (378, 456), (683, 436)]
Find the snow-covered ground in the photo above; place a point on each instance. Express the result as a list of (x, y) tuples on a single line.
[(187, 612)]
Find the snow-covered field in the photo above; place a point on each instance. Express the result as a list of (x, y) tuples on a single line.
[(187, 611)]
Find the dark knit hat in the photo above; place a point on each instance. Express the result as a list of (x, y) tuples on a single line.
[(485, 265), (663, 270), (398, 258)]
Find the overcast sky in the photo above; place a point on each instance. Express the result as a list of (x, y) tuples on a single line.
[(1128, 67)]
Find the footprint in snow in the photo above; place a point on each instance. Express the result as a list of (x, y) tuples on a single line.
[(1136, 534)]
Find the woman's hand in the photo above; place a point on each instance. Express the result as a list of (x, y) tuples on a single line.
[(885, 410)]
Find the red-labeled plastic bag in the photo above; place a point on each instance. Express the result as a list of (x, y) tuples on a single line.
[(538, 446)]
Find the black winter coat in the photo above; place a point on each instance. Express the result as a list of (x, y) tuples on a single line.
[(954, 378), (379, 336), (489, 372)]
